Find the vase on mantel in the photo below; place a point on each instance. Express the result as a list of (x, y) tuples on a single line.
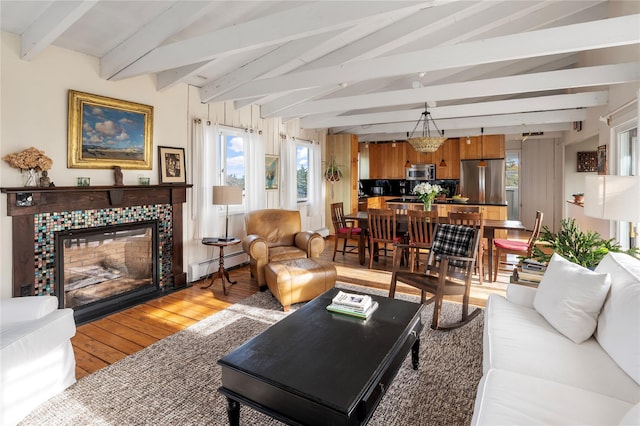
[(30, 176)]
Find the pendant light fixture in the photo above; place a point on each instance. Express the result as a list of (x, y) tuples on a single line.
[(443, 163), (426, 142), (482, 163)]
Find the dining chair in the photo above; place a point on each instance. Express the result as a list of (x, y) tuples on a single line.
[(345, 231), (473, 219), (517, 247), (382, 231), (421, 225), (448, 271)]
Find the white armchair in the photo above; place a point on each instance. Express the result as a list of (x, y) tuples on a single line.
[(36, 356)]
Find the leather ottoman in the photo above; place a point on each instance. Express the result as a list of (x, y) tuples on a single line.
[(299, 280)]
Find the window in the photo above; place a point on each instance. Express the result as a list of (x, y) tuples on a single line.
[(302, 173), (628, 159), (513, 184), (232, 159)]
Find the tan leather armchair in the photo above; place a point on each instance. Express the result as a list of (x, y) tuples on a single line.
[(275, 235)]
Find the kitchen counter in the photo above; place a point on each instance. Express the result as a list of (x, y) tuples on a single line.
[(448, 201)]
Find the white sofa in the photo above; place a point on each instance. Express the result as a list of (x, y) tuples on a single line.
[(535, 372), (36, 356)]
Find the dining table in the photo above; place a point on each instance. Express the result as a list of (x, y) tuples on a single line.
[(490, 227)]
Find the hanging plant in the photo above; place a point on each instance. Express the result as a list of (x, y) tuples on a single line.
[(333, 172)]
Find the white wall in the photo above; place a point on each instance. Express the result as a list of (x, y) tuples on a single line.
[(33, 112), (574, 180)]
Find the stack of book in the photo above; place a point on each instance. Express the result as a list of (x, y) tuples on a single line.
[(356, 305), (530, 272)]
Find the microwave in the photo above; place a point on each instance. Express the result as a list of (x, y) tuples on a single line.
[(421, 172)]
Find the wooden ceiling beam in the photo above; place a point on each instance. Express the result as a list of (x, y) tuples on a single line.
[(54, 21), (604, 33)]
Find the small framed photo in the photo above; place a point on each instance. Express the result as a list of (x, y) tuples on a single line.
[(271, 171), (172, 165), (602, 160)]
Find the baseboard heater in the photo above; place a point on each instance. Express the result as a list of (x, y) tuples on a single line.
[(203, 269)]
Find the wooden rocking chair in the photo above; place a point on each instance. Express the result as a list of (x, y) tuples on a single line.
[(448, 272)]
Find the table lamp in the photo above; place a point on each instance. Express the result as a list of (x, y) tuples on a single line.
[(223, 196), (614, 198)]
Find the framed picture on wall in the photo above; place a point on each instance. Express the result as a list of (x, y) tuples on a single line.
[(271, 171), (587, 161), (105, 132), (602, 160), (172, 165)]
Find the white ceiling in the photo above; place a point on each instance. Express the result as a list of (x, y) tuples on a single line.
[(363, 67)]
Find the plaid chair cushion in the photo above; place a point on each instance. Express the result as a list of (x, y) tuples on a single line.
[(453, 240)]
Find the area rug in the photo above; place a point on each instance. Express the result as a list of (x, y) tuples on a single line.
[(175, 380)]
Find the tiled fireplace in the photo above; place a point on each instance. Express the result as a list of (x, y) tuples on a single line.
[(121, 243)]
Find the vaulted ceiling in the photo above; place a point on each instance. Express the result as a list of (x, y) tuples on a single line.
[(363, 67)]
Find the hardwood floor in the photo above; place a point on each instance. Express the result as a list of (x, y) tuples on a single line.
[(107, 340)]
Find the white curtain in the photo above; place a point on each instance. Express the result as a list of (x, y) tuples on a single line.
[(288, 192), (315, 180), (205, 141), (255, 194)]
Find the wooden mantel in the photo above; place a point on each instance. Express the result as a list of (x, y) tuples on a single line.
[(25, 202)]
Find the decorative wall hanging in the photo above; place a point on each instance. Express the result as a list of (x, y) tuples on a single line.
[(105, 132), (172, 165), (271, 171), (587, 161), (603, 168)]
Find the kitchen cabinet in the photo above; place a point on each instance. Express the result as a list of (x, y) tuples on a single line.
[(489, 146), (450, 152), (386, 160)]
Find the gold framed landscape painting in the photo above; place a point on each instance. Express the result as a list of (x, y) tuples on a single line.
[(106, 132)]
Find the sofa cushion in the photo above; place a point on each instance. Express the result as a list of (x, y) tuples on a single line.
[(277, 254), (508, 398), (519, 339), (619, 321), (570, 297)]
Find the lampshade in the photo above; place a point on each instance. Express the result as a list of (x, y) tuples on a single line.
[(426, 142), (612, 197), (226, 195)]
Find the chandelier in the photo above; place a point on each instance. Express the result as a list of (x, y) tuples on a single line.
[(426, 142)]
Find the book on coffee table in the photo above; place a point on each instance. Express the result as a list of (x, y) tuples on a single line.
[(353, 302), (345, 310)]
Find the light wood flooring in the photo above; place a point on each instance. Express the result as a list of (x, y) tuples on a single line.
[(109, 339)]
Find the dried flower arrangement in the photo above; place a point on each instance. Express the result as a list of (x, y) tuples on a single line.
[(30, 158)]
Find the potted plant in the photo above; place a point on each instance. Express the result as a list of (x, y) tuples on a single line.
[(332, 171), (584, 248)]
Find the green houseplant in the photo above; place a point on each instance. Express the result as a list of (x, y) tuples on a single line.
[(584, 248), (332, 171)]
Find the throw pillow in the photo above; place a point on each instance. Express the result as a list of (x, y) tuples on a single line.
[(570, 297)]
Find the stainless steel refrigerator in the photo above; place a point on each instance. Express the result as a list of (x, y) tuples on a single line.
[(484, 184)]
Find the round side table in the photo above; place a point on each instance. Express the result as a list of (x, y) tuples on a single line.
[(221, 272)]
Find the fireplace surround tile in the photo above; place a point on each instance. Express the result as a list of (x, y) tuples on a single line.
[(47, 224)]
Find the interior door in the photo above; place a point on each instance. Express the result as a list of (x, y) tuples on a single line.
[(539, 183)]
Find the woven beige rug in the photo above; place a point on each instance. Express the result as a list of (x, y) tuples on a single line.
[(175, 381)]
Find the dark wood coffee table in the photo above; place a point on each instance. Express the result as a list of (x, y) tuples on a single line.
[(318, 368)]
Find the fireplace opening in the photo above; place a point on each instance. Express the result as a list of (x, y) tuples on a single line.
[(103, 270)]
